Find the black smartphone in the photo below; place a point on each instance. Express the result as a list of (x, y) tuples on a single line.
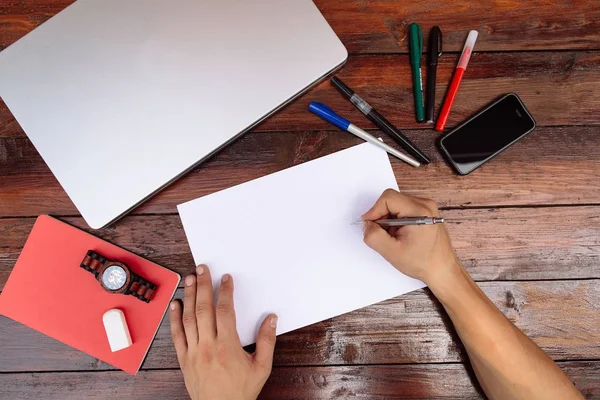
[(487, 134)]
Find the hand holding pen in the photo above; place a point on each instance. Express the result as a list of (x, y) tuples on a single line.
[(424, 253)]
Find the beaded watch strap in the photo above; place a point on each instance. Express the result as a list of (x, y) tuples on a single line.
[(92, 262), (139, 287)]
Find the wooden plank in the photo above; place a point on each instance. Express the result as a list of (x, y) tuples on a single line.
[(558, 88), (381, 26), (552, 166), (453, 381), (9, 127), (494, 244), (412, 328), (445, 381)]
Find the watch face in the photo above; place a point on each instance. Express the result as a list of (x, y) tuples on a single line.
[(114, 277)]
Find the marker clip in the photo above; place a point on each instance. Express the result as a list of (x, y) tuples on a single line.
[(439, 42)]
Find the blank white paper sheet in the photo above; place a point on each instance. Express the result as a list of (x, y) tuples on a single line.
[(289, 241)]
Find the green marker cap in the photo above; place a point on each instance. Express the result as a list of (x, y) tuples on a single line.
[(416, 43)]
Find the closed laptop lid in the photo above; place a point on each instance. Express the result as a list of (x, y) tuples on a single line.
[(121, 97)]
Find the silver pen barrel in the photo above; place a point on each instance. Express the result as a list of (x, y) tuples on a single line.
[(410, 221)]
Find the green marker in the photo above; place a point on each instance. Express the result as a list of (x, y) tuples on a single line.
[(416, 50)]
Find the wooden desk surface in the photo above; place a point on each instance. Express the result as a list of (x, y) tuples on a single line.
[(535, 249)]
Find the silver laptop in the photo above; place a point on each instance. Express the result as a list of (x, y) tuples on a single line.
[(122, 97)]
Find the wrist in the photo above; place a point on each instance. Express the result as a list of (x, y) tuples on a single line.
[(447, 279)]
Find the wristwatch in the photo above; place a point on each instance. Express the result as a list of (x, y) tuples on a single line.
[(116, 277)]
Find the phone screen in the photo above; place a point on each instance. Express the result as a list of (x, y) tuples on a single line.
[(487, 134)]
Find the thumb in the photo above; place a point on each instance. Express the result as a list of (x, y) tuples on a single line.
[(378, 239), (265, 342)]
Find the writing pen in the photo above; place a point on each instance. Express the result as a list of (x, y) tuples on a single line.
[(379, 120), (416, 51), (456, 80), (329, 115), (409, 221), (434, 51)]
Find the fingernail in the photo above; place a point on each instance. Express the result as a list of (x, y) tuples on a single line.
[(189, 280), (173, 306), (199, 270), (225, 278), (273, 322), (365, 224)]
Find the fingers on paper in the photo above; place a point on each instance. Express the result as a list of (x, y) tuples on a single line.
[(177, 331), (265, 343), (190, 324), (226, 327), (393, 203), (204, 309)]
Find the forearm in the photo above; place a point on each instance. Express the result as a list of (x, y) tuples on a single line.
[(507, 363)]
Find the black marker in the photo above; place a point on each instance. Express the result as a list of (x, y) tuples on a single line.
[(380, 121), (434, 51)]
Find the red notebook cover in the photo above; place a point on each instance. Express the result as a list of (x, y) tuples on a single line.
[(49, 292)]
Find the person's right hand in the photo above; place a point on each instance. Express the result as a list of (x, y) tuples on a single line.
[(421, 252)]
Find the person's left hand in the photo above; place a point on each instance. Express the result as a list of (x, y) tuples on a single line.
[(214, 364)]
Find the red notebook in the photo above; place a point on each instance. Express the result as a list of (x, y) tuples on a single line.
[(49, 292)]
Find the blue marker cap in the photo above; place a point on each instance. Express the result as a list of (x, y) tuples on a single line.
[(327, 114)]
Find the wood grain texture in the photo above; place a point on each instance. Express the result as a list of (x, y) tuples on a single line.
[(450, 381), (504, 244), (410, 337), (552, 166), (381, 26), (558, 89), (560, 316)]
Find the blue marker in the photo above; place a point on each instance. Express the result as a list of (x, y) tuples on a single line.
[(329, 115)]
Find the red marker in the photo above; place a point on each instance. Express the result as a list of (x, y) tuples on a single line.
[(456, 79)]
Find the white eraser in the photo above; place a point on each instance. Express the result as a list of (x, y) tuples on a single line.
[(116, 330)]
